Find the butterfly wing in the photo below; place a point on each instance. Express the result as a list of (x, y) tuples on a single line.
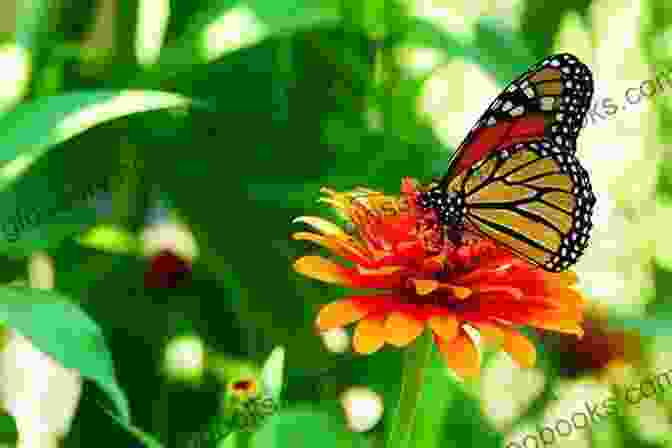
[(550, 100), (534, 198)]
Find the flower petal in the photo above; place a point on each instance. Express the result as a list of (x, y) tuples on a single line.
[(491, 333), (369, 336), (401, 329), (339, 314), (496, 289), (565, 298), (424, 287), (444, 326), (519, 347), (350, 250), (561, 279), (327, 228), (461, 355), (320, 268), (557, 321), (461, 292)]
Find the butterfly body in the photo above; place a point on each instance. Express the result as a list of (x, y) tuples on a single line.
[(515, 178)]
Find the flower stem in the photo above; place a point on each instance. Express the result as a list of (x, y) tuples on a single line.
[(243, 439), (416, 358)]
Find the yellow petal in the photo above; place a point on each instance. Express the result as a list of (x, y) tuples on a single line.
[(424, 287), (445, 327), (334, 244), (338, 314), (519, 347), (491, 333), (401, 329), (320, 268), (461, 355), (327, 228), (369, 336)]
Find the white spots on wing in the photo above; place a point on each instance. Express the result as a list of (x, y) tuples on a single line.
[(546, 103), (518, 111)]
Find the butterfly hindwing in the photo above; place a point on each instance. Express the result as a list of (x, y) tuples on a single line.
[(549, 101), (533, 197)]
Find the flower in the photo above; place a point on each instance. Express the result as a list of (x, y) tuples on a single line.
[(167, 270), (248, 406), (424, 280)]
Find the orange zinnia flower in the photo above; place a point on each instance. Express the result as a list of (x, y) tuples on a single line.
[(426, 281)]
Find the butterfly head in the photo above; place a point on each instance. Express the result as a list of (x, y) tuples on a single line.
[(448, 206)]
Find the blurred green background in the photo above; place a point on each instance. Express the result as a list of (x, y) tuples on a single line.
[(273, 99)]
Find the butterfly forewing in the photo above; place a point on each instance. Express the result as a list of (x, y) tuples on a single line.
[(549, 101), (533, 197)]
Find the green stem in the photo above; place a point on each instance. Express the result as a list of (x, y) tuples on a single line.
[(416, 358), (243, 439)]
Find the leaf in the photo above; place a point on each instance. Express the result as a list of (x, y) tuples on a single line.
[(34, 20), (272, 373), (500, 50), (317, 428), (658, 325), (421, 33), (231, 25), (147, 439), (40, 189), (540, 22), (34, 128), (59, 328)]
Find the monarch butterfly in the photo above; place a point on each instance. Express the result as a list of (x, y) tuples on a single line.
[(515, 178)]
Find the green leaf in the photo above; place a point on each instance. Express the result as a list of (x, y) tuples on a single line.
[(39, 188), (272, 373), (147, 439), (231, 25), (500, 50), (540, 22), (421, 33), (317, 428), (658, 325), (34, 20), (59, 328), (34, 128)]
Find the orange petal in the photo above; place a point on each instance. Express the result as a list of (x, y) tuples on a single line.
[(445, 327), (561, 279), (385, 270), (327, 228), (338, 314), (557, 322), (519, 347), (461, 292), (491, 333), (566, 298), (369, 336), (401, 329), (424, 287), (461, 355), (339, 247), (514, 292), (320, 268)]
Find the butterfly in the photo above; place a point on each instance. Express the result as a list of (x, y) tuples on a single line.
[(515, 177)]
